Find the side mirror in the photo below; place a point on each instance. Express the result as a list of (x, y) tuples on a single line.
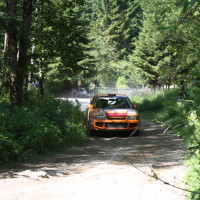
[(90, 106), (134, 106)]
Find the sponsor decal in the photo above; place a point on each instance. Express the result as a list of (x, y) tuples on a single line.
[(119, 113)]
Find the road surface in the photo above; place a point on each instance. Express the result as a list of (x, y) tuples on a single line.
[(111, 166)]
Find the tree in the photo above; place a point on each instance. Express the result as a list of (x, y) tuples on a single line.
[(153, 48), (13, 39), (16, 47), (3, 70), (124, 26), (60, 45), (113, 29), (56, 38), (188, 53)]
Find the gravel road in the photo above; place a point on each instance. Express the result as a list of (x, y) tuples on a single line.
[(111, 166)]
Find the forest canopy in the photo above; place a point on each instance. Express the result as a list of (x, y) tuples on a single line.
[(109, 42)]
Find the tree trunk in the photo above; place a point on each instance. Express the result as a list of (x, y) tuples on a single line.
[(41, 72), (10, 49), (41, 80), (23, 48), (17, 67)]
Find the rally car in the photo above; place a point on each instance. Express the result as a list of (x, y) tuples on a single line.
[(112, 112)]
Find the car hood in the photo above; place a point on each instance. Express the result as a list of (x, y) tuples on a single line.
[(119, 112)]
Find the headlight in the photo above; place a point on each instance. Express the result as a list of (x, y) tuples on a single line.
[(132, 117), (99, 115), (132, 112)]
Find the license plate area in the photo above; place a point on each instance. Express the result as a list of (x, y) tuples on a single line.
[(116, 125)]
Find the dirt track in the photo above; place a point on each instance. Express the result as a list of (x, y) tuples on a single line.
[(104, 167)]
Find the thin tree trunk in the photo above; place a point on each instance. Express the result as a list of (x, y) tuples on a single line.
[(41, 72), (41, 80), (23, 48), (10, 49)]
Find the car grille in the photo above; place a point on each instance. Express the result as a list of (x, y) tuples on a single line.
[(99, 124), (119, 118), (132, 125), (116, 125)]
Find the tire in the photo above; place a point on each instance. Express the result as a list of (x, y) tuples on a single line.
[(137, 133), (90, 132)]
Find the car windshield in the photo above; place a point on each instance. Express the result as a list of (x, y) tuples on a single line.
[(112, 102)]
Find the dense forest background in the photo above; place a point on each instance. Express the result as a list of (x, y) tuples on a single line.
[(112, 43)]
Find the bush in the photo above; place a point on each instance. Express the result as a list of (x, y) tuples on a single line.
[(182, 116), (38, 127), (9, 148), (153, 102)]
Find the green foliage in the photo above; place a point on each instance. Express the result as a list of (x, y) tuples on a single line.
[(154, 101), (180, 114), (167, 48), (59, 46), (193, 172), (113, 27), (39, 127), (10, 149), (158, 41), (128, 75), (122, 83), (187, 124), (124, 43), (159, 31)]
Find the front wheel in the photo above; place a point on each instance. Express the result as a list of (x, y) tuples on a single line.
[(135, 133), (90, 132)]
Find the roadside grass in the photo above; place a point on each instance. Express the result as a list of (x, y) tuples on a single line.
[(39, 127), (153, 106), (181, 115)]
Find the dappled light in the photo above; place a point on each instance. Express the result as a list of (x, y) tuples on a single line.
[(158, 149)]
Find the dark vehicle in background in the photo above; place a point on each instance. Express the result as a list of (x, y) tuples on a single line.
[(111, 112), (81, 93)]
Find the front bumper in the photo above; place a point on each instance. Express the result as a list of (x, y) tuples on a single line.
[(114, 125)]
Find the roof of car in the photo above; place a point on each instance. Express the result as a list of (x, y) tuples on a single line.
[(110, 95)]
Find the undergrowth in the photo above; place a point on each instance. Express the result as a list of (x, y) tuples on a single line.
[(181, 115), (40, 126)]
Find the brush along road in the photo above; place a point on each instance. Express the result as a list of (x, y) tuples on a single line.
[(104, 167)]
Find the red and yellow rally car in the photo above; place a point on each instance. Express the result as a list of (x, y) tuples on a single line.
[(111, 112)]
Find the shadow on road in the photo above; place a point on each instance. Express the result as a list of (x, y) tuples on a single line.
[(153, 148)]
